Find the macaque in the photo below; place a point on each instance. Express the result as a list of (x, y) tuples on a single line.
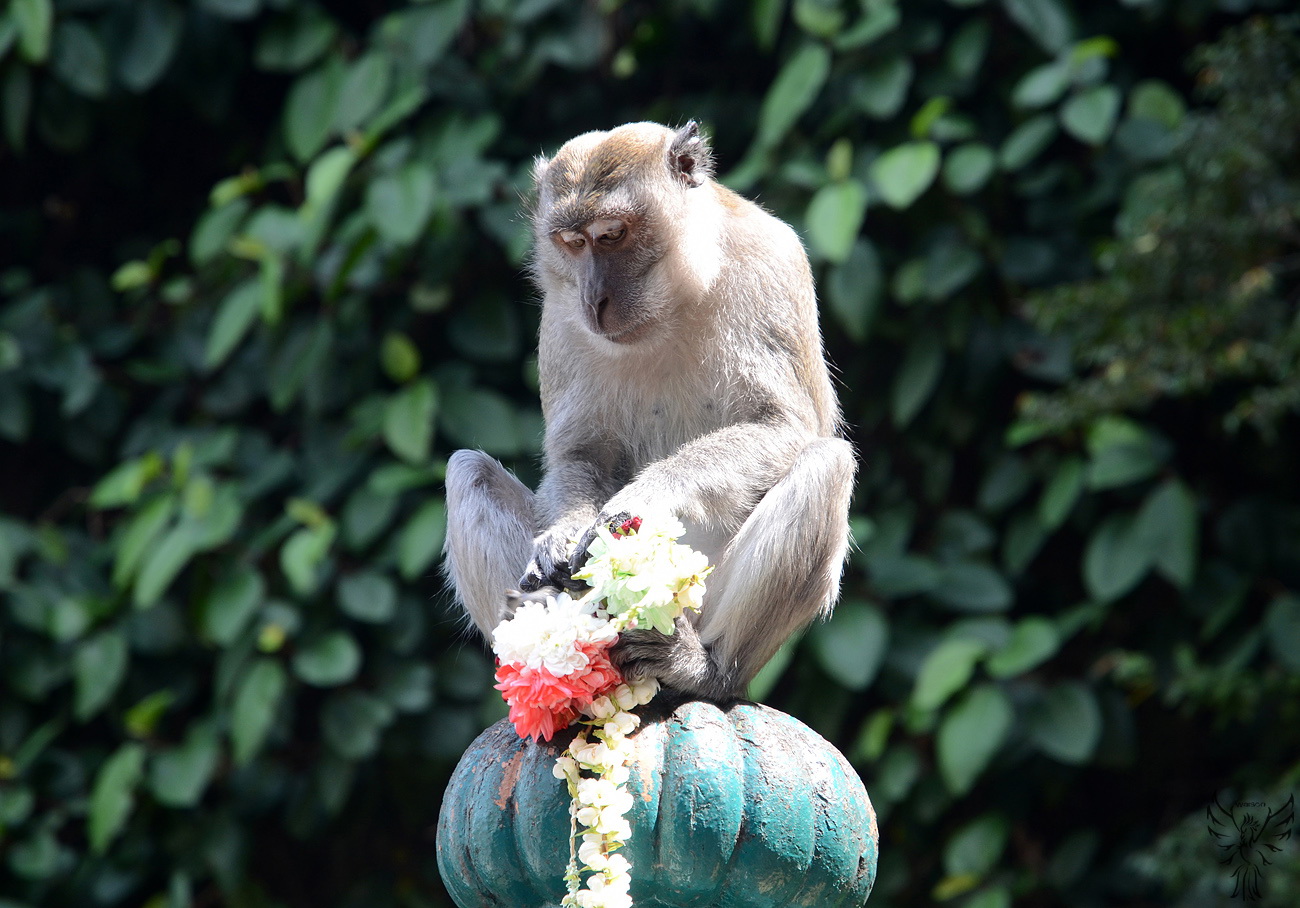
[(682, 373)]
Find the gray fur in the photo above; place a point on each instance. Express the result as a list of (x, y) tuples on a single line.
[(691, 382)]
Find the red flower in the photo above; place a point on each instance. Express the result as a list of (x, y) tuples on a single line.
[(542, 703), (628, 527)]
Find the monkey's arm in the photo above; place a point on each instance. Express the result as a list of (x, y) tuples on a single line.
[(568, 503), (782, 560)]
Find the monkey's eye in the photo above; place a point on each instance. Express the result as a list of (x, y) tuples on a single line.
[(610, 237), (572, 238)]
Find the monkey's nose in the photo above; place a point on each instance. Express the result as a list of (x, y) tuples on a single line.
[(599, 309)]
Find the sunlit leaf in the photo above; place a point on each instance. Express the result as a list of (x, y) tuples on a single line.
[(970, 735), (1090, 115), (946, 670), (851, 646), (792, 92), (834, 218), (904, 172)]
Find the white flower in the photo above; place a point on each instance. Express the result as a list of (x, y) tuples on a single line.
[(547, 635)]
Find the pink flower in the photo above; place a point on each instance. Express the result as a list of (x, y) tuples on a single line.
[(542, 703)]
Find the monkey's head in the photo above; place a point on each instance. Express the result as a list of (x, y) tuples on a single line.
[(621, 226)]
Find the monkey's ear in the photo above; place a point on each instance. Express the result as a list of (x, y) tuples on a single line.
[(689, 156)]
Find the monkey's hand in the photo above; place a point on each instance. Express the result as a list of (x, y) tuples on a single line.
[(551, 565), (611, 521), (681, 662)]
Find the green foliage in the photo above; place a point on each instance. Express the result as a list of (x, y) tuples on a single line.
[(265, 271)]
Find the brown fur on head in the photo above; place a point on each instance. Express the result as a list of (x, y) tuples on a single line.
[(591, 175)]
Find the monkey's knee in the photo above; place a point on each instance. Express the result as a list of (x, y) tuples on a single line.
[(489, 534)]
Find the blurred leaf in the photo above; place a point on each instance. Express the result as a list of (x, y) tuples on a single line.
[(946, 670), (407, 686), (1042, 85), (1115, 558), (1090, 115), (35, 21), (215, 229), (1046, 21), (854, 288), (793, 91), (113, 796), (328, 660), (256, 703), (126, 482), (1066, 724), (970, 586), (179, 775), (311, 110), (1167, 529), (1033, 641), (976, 847), (352, 723), (160, 565), (1282, 625), (904, 172), (1155, 100), (368, 596), (408, 420), (1026, 142), (877, 20), (138, 538), (16, 105), (770, 674), (851, 646), (78, 59), (968, 49), (882, 88), (230, 604), (295, 40), (303, 554), (232, 9), (142, 719), (917, 377), (904, 575), (363, 92), (234, 319), (367, 514), (420, 541), (834, 218), (1061, 493), (970, 735), (479, 418), (98, 667), (1005, 483), (399, 204), (950, 265), (967, 168), (400, 356), (155, 35), (1122, 452)]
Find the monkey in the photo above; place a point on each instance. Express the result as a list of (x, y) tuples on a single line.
[(682, 373)]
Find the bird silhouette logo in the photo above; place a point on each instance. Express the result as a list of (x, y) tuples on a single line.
[(1246, 842)]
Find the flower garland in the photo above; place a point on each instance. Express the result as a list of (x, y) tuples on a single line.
[(554, 669)]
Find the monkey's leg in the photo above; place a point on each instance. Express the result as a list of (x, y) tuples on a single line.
[(489, 534), (783, 568), (779, 571)]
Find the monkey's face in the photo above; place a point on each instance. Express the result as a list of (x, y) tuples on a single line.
[(608, 260), (609, 226)]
